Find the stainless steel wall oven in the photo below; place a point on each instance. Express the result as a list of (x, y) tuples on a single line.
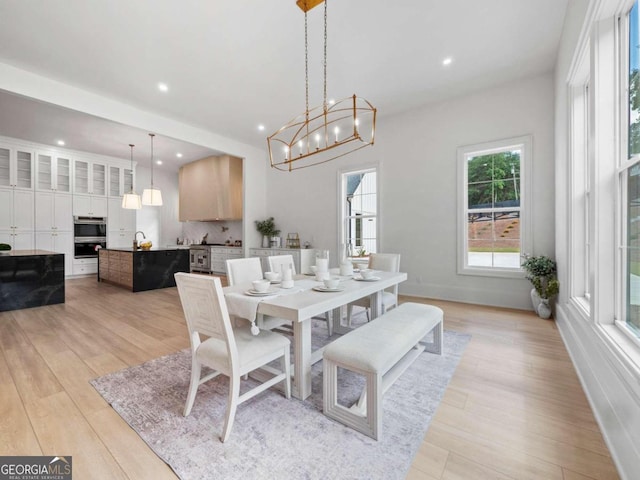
[(90, 234)]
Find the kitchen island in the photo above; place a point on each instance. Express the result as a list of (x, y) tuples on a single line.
[(31, 278), (140, 270)]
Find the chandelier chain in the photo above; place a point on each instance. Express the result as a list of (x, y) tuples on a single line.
[(325, 54), (306, 67)]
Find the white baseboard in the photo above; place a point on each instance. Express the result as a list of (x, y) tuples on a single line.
[(496, 297), (615, 406)]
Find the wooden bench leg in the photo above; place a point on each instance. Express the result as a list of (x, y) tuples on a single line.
[(438, 337), (369, 422)]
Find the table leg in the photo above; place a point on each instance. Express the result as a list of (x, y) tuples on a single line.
[(376, 304), (302, 359)]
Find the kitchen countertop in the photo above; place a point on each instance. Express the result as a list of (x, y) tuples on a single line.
[(219, 245), (26, 253), (152, 249)]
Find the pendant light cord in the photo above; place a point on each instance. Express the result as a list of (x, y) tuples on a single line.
[(152, 135), (131, 145)]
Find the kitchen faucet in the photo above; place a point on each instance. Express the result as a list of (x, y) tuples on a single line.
[(135, 239)]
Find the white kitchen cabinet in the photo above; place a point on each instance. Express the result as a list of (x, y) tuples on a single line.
[(303, 258), (54, 225), (16, 218), (17, 240), (220, 255), (54, 211), (121, 224), (59, 242), (16, 167), (85, 266), (89, 206), (89, 177), (53, 172), (120, 180), (118, 218)]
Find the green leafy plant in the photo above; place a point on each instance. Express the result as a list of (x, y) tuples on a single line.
[(361, 252), (267, 227), (542, 273)]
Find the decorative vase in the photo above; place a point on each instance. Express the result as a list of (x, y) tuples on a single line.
[(544, 310), (265, 241), (535, 300), (540, 305)]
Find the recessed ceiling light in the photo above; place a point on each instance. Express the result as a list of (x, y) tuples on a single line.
[(447, 61), (60, 142), (163, 87), (332, 102), (158, 162), (179, 155), (261, 127)]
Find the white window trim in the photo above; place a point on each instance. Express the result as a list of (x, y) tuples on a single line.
[(526, 161), (341, 246)]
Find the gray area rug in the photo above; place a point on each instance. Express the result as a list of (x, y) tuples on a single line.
[(272, 437)]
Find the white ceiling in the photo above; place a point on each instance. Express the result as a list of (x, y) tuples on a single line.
[(233, 64)]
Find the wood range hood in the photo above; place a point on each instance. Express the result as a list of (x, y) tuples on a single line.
[(211, 189)]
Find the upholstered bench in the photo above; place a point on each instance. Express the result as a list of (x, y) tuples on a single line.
[(381, 351)]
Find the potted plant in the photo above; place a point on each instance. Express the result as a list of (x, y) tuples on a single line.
[(5, 248), (542, 273), (268, 230)]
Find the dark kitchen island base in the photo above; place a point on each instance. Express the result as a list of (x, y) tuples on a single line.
[(140, 270), (31, 278)]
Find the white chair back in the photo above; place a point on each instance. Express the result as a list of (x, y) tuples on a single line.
[(276, 263), (243, 270), (386, 262), (205, 310)]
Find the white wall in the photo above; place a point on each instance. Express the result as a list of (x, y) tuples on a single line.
[(609, 380), (416, 155)]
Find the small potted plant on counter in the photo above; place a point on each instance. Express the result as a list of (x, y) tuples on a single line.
[(5, 248), (541, 272), (268, 230)]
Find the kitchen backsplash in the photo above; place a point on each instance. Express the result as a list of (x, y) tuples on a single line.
[(194, 231)]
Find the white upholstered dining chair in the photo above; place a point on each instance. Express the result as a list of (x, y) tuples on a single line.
[(276, 262), (233, 352), (245, 270), (386, 262)]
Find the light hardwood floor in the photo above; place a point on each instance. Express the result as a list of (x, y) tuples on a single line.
[(513, 410)]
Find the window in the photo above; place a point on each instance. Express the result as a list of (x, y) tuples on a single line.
[(493, 230), (629, 181), (581, 251), (359, 205)]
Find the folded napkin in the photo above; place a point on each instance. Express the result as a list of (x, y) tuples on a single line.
[(246, 306)]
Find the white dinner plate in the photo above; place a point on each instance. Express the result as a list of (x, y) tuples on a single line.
[(325, 289), (370, 279), (253, 293)]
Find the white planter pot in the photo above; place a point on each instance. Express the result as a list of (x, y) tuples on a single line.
[(265, 241), (540, 306)]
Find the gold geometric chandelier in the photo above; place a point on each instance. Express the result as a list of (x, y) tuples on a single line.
[(326, 132)]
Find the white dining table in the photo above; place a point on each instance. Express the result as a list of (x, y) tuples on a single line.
[(300, 307)]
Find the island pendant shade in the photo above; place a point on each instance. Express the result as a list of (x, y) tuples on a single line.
[(131, 201), (152, 196)]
